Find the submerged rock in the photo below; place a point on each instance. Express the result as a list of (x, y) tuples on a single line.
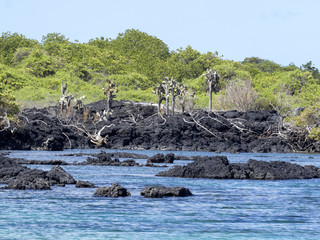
[(40, 162), (104, 159), (113, 191), (161, 191), (160, 158), (84, 184), (218, 167)]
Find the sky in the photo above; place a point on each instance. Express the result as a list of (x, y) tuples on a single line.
[(283, 31)]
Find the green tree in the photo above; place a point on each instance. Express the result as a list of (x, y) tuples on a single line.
[(262, 64), (102, 43), (189, 63), (12, 78), (146, 54), (10, 42), (8, 105), (40, 64), (231, 70), (312, 69), (55, 44)]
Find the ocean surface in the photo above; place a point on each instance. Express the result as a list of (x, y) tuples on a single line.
[(218, 209)]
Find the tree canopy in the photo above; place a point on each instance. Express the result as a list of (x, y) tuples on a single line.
[(32, 71)]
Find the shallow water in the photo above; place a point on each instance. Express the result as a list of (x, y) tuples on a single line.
[(219, 209)]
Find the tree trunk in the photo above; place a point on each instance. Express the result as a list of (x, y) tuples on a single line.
[(109, 103), (159, 103), (167, 101), (183, 106), (173, 103), (210, 95), (173, 100)]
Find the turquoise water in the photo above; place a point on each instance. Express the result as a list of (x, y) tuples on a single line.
[(219, 209)]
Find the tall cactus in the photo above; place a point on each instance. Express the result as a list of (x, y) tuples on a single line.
[(166, 84), (175, 91), (173, 88), (183, 96), (213, 82), (159, 91), (65, 99), (110, 90)]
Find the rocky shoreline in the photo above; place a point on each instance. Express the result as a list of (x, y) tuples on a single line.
[(135, 126)]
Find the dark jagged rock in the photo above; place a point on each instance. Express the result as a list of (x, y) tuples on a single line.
[(127, 155), (113, 191), (39, 162), (134, 126), (53, 144), (100, 159), (153, 165), (207, 167), (113, 154), (129, 163), (60, 176), (9, 169), (103, 159), (169, 158), (160, 158), (84, 184), (281, 170), (39, 184), (218, 167), (20, 177), (161, 191)]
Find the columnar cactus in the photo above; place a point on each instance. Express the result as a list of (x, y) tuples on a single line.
[(166, 84), (174, 91), (183, 96), (65, 100), (213, 82), (159, 91), (110, 90)]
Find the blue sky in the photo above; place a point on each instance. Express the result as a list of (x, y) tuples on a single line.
[(282, 31)]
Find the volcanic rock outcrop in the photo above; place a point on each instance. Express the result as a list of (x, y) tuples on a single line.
[(115, 190), (218, 167), (136, 126), (20, 177)]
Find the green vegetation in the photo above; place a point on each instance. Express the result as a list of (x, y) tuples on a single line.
[(8, 106), (32, 72)]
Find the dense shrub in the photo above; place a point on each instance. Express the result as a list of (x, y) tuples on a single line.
[(238, 95)]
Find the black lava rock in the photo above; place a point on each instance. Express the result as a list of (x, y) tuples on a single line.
[(161, 191), (113, 191), (84, 184), (218, 167), (20, 177), (60, 176)]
